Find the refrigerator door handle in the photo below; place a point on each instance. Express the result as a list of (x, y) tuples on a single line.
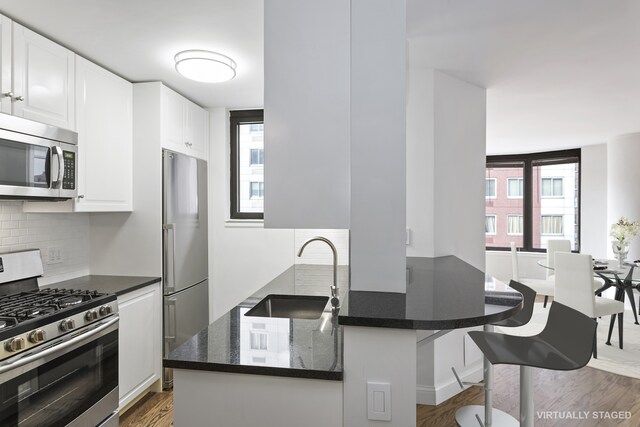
[(172, 320), (169, 257)]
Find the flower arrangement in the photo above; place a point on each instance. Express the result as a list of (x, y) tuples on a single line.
[(624, 230)]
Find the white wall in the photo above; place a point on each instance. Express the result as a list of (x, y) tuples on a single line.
[(243, 256), (594, 227), (69, 231), (460, 147), (446, 120), (378, 145), (306, 99), (445, 166), (623, 177)]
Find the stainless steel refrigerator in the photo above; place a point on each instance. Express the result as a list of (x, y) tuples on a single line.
[(185, 252)]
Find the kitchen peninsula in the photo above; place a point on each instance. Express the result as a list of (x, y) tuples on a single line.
[(230, 369)]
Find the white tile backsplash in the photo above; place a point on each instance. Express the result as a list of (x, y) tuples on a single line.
[(319, 252), (68, 231)]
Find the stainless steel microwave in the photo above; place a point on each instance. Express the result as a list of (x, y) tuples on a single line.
[(37, 161)]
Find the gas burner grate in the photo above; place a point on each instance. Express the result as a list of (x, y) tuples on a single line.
[(24, 306)]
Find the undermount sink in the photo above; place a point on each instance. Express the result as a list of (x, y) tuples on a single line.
[(290, 306)]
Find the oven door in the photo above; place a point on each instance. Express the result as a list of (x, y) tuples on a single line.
[(72, 381)]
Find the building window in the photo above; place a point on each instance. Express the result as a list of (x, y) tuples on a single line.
[(552, 224), (258, 341), (552, 187), (257, 156), (490, 188), (247, 150), (256, 190), (515, 224), (490, 224), (537, 199), (515, 187)]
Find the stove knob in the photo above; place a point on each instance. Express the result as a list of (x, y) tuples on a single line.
[(15, 344), (67, 324), (37, 336), (91, 315), (105, 309)]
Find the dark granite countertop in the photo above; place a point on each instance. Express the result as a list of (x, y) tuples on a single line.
[(298, 348), (442, 293), (118, 285)]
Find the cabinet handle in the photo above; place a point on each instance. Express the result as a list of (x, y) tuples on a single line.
[(7, 95), (19, 98), (81, 196)]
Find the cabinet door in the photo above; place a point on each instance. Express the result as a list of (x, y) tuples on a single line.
[(140, 351), (44, 76), (104, 114), (197, 130), (5, 64), (173, 136)]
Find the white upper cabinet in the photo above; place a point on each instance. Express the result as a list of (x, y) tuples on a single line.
[(104, 104), (184, 125), (5, 65), (42, 76)]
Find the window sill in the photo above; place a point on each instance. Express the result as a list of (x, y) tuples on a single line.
[(244, 223)]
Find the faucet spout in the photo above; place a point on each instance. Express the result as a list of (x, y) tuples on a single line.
[(335, 301)]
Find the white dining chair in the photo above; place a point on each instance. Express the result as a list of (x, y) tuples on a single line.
[(541, 286), (553, 246), (574, 288)]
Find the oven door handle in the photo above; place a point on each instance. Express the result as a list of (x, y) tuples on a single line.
[(60, 347)]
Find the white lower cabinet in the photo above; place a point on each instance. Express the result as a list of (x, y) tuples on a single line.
[(140, 346)]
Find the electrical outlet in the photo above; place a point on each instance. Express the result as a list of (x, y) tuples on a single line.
[(55, 255)]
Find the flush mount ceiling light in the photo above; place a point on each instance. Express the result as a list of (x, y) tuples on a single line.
[(205, 66)]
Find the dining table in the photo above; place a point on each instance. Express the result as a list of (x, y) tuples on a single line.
[(623, 277)]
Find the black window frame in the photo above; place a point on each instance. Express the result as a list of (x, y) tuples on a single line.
[(527, 160), (237, 118)]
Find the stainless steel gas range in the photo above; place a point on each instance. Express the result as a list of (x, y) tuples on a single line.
[(58, 350)]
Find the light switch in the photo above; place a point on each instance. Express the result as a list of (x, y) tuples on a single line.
[(379, 401)]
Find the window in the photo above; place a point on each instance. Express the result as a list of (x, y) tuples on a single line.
[(490, 188), (490, 224), (256, 190), (552, 224), (515, 187), (515, 224), (552, 187), (258, 340), (537, 199), (257, 156), (247, 151)]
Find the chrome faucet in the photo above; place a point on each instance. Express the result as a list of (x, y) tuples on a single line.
[(335, 301)]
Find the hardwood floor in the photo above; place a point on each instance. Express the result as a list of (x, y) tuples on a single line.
[(586, 389), (154, 410)]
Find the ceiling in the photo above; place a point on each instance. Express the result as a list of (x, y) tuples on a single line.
[(559, 74), (137, 39)]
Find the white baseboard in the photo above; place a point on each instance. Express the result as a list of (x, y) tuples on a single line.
[(435, 395)]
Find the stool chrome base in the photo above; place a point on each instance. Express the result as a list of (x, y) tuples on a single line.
[(466, 417)]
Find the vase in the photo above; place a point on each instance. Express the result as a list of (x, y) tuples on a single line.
[(620, 250)]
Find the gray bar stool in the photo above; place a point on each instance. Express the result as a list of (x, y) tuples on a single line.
[(471, 415), (565, 344)]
